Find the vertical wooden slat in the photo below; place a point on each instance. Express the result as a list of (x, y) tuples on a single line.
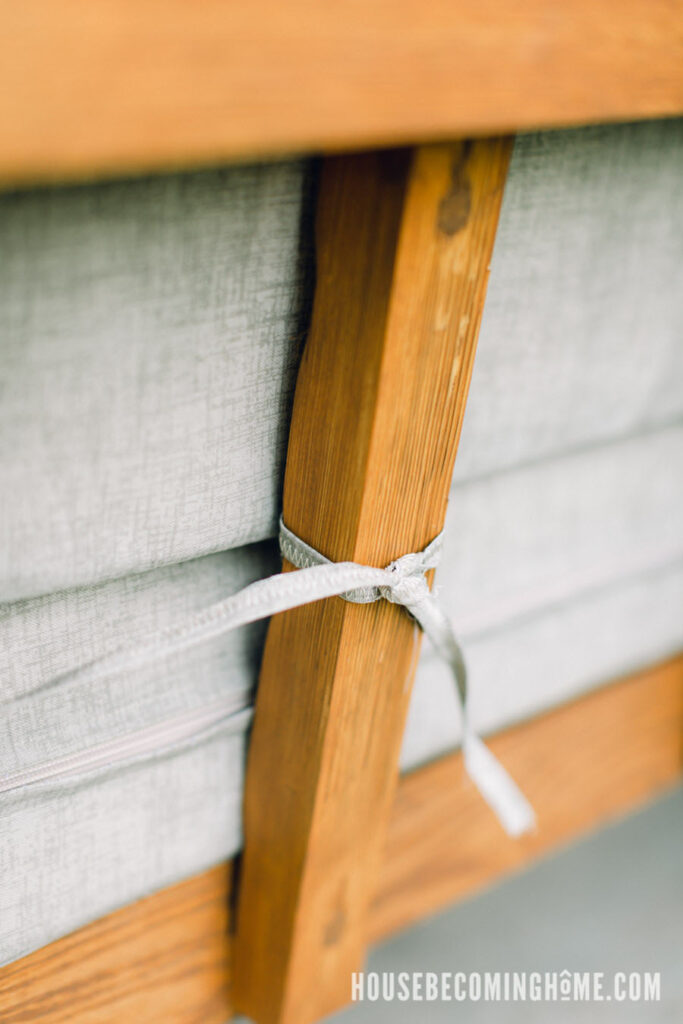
[(403, 247)]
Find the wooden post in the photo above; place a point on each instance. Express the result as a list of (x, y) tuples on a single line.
[(404, 241)]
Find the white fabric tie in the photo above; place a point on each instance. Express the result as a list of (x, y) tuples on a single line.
[(405, 584), (402, 582)]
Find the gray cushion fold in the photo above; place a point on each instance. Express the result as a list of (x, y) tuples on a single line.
[(44, 715), (558, 577), (536, 663), (545, 533), (81, 850)]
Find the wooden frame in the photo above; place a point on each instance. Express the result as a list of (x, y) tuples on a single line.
[(404, 241), (120, 86), (169, 957)]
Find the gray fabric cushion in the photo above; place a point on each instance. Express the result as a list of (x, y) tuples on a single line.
[(550, 531), (150, 337), (72, 850), (559, 653), (72, 854), (151, 331), (558, 577), (581, 338), (45, 716)]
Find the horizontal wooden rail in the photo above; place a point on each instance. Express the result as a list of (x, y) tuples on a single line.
[(167, 957), (581, 766), (114, 86)]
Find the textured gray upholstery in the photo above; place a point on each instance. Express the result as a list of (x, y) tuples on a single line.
[(559, 576), (49, 716), (582, 335), (151, 331), (71, 853), (150, 336)]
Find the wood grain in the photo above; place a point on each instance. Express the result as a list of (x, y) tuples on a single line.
[(116, 86), (167, 958), (403, 246)]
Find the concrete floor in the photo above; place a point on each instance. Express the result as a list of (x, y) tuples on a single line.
[(613, 902)]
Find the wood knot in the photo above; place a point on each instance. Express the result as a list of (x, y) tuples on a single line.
[(454, 208), (335, 927)]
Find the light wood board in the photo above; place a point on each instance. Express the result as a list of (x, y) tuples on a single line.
[(102, 87), (403, 244)]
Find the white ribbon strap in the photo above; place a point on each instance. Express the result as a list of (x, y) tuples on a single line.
[(402, 582), (406, 585)]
